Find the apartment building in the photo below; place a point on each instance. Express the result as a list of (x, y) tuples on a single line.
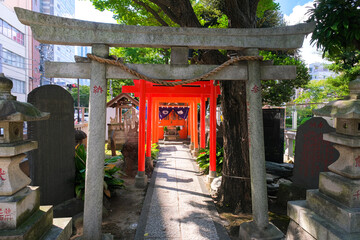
[(16, 59)]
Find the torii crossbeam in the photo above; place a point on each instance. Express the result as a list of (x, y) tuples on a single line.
[(57, 30)]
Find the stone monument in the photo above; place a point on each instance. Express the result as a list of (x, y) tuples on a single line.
[(332, 211), (312, 153), (52, 164), (21, 216)]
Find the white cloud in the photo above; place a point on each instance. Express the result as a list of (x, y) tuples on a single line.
[(84, 10), (299, 14), (308, 52)]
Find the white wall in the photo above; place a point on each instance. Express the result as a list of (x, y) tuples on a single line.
[(8, 15)]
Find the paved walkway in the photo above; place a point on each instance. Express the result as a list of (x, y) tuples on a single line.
[(177, 204)]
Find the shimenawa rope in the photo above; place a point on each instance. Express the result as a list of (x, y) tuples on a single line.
[(187, 81)]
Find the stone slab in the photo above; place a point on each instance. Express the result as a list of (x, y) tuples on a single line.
[(52, 165), (335, 213), (341, 189), (164, 223), (198, 228), (295, 232), (249, 231), (161, 71), (33, 228), (7, 150), (312, 154), (315, 225), (350, 141), (17, 208), (64, 31), (60, 230)]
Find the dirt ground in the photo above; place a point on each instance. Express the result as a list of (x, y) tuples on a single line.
[(124, 210), (122, 213)]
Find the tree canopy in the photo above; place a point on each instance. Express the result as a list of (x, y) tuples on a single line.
[(337, 25)]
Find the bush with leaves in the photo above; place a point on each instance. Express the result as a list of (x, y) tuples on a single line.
[(154, 151), (111, 181), (203, 159)]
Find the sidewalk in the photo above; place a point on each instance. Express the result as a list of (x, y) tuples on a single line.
[(177, 204)]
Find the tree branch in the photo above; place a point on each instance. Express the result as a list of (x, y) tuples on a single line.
[(153, 12), (179, 11)]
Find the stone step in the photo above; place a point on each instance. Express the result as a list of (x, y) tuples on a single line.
[(315, 225), (343, 190), (336, 213), (173, 143), (33, 228), (60, 230)]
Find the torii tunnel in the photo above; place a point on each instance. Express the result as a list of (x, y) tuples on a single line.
[(152, 95)]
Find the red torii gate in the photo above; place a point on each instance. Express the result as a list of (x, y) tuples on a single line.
[(192, 93)]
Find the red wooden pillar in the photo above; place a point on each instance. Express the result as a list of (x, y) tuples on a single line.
[(202, 122), (141, 148), (153, 112), (157, 122), (196, 131), (212, 172), (148, 130), (141, 178), (191, 120)]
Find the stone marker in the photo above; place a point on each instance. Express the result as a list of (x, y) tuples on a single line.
[(274, 134), (312, 154), (52, 164)]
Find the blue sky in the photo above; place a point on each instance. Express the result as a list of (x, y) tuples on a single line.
[(288, 5)]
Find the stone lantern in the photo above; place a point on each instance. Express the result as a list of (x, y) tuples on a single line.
[(347, 136), (21, 216), (333, 210)]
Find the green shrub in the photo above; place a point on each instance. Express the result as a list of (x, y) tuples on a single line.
[(110, 171), (154, 151), (203, 159)]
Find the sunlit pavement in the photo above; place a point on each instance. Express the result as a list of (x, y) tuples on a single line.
[(177, 204)]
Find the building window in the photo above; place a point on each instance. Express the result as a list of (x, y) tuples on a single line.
[(18, 86), (11, 32), (13, 59)]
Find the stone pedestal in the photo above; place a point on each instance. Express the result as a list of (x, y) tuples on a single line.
[(140, 180)]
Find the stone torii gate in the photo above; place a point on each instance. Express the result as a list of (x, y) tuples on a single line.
[(56, 30)]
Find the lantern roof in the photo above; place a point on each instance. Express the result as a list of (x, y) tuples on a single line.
[(347, 108), (14, 111)]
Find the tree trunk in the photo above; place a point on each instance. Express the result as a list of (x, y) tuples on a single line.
[(235, 191)]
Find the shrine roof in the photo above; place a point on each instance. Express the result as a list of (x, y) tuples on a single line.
[(196, 89), (115, 101)]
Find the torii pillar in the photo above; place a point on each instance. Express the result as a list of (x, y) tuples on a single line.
[(202, 123), (95, 146), (141, 178), (148, 129), (259, 228), (212, 167)]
